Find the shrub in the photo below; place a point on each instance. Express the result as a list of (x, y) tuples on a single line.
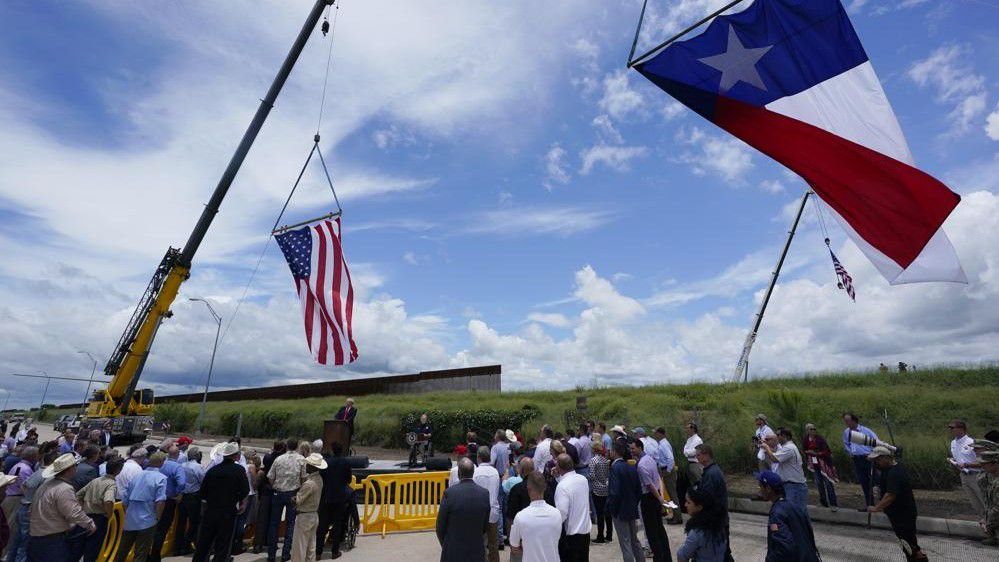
[(181, 416), (257, 423), (451, 426)]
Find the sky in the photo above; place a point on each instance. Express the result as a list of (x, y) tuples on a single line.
[(511, 194)]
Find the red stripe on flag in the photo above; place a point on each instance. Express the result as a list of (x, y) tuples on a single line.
[(308, 306), (320, 276), (350, 296), (893, 206)]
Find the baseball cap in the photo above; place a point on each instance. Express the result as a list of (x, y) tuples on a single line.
[(769, 478)]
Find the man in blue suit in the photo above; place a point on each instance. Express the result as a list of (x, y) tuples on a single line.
[(624, 491), (789, 531), (463, 518)]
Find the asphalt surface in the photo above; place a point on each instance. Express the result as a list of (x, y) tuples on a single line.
[(748, 535)]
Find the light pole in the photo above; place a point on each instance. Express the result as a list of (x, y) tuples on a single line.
[(44, 393), (211, 364), (86, 395)]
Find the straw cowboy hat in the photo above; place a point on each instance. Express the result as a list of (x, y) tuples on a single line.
[(229, 449), (619, 429), (6, 479), (316, 460), (62, 463), (511, 436)]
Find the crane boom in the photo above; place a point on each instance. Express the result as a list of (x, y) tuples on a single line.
[(120, 403)]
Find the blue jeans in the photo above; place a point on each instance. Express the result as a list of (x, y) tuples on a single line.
[(797, 494), (18, 549), (500, 529), (281, 501), (827, 491)]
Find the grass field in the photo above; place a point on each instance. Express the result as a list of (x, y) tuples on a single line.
[(919, 406)]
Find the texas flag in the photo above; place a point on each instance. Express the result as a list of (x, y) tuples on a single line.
[(790, 78)]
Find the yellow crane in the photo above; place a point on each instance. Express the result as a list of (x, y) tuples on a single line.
[(123, 409)]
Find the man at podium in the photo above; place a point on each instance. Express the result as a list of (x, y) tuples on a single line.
[(347, 413)]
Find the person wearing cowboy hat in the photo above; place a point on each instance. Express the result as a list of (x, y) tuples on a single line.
[(897, 501), (55, 511), (303, 541), (223, 494)]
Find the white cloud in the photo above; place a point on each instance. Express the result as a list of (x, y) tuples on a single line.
[(391, 137), (553, 319), (672, 110), (411, 258), (605, 128), (560, 221), (772, 186), (992, 124), (618, 99), (615, 157), (721, 155), (556, 171), (956, 84)]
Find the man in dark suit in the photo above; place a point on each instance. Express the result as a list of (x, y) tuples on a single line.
[(347, 413), (463, 518), (333, 507)]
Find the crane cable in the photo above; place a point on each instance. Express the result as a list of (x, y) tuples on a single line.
[(315, 149)]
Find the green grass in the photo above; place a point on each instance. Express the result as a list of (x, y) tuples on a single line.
[(919, 405)]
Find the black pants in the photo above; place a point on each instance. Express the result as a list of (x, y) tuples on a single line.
[(332, 515), (574, 548), (188, 519), (603, 517), (92, 543), (652, 518), (216, 531), (905, 529), (162, 527), (50, 548)]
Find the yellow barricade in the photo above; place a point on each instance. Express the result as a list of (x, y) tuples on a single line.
[(402, 502), (113, 537)]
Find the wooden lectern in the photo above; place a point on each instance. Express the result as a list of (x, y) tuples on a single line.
[(336, 431)]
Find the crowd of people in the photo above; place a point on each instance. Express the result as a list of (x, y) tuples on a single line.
[(58, 497), (543, 497)]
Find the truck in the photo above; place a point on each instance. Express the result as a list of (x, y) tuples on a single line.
[(122, 408)]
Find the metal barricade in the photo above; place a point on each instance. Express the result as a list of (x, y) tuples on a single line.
[(402, 502)]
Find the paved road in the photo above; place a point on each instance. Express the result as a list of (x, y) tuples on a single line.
[(837, 543)]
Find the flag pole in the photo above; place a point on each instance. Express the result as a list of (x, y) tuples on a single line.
[(638, 30), (632, 62), (741, 368)]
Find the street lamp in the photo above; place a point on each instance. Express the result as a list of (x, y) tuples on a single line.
[(86, 395), (211, 364)]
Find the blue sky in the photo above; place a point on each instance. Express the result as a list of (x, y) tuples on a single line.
[(511, 194)]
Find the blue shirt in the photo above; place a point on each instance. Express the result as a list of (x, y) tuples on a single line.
[(194, 473), (852, 448), (66, 447), (176, 478), (664, 455), (701, 548), (140, 499)]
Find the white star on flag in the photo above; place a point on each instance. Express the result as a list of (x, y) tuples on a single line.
[(737, 63)]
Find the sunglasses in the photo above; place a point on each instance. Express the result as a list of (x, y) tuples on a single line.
[(951, 427)]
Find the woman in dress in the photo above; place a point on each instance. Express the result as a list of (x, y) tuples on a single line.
[(820, 464)]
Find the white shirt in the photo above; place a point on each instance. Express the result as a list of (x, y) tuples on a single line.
[(487, 477), (690, 447), (542, 454), (763, 432), (129, 470), (536, 529), (788, 465), (651, 446), (453, 478), (961, 451), (572, 498)]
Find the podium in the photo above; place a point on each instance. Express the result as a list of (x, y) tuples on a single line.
[(336, 431)]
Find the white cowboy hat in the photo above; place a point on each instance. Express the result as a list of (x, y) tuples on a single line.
[(229, 449), (62, 463), (316, 460), (511, 436), (619, 429), (6, 479), (216, 450)]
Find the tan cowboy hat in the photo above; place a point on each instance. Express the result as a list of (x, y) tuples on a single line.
[(6, 479), (229, 449), (316, 460), (62, 463)]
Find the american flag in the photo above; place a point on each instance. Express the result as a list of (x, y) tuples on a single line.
[(845, 281), (315, 257)]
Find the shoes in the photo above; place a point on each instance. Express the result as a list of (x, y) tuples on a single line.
[(609, 540), (647, 551), (834, 509), (270, 560), (285, 558), (256, 549), (599, 540), (336, 555), (500, 547)]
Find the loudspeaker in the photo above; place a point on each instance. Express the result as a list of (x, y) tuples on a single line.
[(438, 463), (357, 462)]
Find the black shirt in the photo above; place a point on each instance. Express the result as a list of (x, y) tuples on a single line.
[(424, 429), (224, 486), (895, 480), (336, 479), (713, 483), (517, 499)]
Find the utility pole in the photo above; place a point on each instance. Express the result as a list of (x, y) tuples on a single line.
[(211, 364), (5, 400), (44, 394), (742, 367), (86, 395)]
